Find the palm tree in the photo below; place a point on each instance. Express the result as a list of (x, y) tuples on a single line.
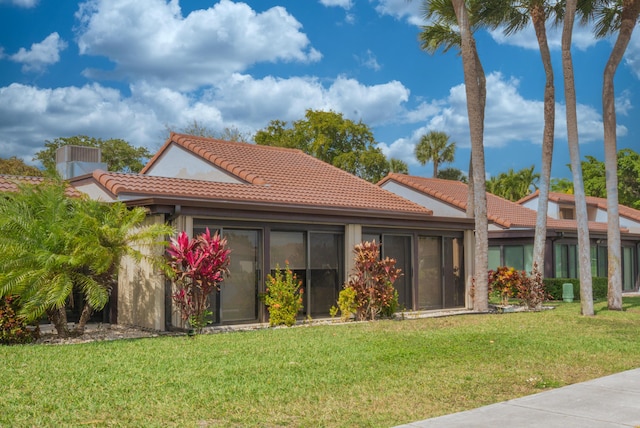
[(622, 16), (435, 147), (52, 246), (447, 15), (398, 165), (584, 250)]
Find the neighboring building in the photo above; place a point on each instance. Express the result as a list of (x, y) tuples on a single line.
[(277, 205), (10, 183), (512, 227)]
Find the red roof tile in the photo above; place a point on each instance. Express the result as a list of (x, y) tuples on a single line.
[(507, 214), (271, 175), (10, 183)]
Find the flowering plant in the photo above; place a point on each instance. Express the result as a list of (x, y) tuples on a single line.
[(199, 266), (504, 281)]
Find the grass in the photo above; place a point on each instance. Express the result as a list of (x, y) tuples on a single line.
[(361, 374)]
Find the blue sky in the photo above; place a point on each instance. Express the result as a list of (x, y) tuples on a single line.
[(131, 68)]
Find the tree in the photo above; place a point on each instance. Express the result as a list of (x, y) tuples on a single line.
[(513, 185), (515, 15), (331, 138), (199, 130), (52, 246), (119, 155), (593, 176), (16, 166), (562, 185), (622, 16), (442, 34), (452, 174), (435, 147), (398, 166), (584, 250)]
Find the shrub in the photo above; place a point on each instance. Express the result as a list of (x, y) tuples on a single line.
[(283, 297), (199, 266), (530, 289), (503, 282), (372, 281), (553, 286), (347, 303), (13, 328)]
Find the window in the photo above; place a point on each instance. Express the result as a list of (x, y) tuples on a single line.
[(494, 258), (566, 261), (567, 213)]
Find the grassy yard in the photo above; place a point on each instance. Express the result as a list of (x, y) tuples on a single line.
[(361, 374)]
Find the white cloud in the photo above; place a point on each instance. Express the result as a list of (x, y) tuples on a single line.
[(369, 60), (41, 54), (509, 118), (582, 37), (151, 39), (632, 56), (345, 4), (21, 3), (401, 9)]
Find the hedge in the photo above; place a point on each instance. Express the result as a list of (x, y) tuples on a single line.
[(553, 286)]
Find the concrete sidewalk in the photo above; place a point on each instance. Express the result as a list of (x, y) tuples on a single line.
[(612, 401)]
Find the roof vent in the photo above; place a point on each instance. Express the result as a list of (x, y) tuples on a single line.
[(73, 161)]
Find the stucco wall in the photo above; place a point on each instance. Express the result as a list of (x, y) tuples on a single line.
[(141, 290)]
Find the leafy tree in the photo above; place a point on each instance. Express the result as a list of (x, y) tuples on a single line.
[(399, 166), (199, 130), (562, 185), (16, 166), (513, 185), (331, 138), (452, 25), (435, 147), (119, 155), (52, 246), (452, 174), (628, 172)]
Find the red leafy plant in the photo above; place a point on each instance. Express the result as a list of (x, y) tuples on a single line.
[(199, 265), (372, 280), (509, 282), (13, 328)]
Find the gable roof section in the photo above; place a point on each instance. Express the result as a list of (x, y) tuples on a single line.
[(270, 175), (10, 183), (600, 203), (500, 211), (505, 213)]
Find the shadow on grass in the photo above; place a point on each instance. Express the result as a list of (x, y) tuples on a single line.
[(628, 303)]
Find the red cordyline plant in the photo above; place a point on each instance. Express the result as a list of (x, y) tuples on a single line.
[(200, 265), (372, 281)]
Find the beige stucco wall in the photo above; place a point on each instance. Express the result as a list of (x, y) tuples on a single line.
[(141, 290), (352, 236)]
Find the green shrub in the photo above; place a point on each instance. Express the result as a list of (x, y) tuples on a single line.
[(283, 297), (347, 303), (13, 329), (553, 287)]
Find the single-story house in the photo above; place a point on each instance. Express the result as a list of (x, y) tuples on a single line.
[(512, 227), (276, 206)]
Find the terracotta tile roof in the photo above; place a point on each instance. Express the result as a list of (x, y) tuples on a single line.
[(507, 214), (271, 175), (9, 183), (601, 203)]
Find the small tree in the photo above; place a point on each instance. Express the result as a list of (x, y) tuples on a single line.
[(199, 265), (283, 297), (372, 281)]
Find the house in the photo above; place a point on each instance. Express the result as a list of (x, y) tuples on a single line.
[(11, 183), (276, 206), (512, 227)]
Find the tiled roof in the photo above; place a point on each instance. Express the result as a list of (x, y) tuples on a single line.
[(500, 211), (271, 175), (9, 183), (601, 203)]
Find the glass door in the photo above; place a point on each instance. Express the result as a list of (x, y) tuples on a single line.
[(239, 292)]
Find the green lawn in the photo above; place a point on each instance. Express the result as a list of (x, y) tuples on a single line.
[(376, 374)]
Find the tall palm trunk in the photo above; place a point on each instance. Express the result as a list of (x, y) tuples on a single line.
[(538, 18), (475, 87), (584, 249), (630, 11)]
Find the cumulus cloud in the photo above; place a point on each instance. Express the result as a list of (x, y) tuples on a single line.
[(152, 38), (345, 4), (509, 118), (21, 3), (401, 9), (41, 54)]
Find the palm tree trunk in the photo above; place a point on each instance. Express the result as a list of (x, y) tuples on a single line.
[(584, 249), (538, 18), (82, 322), (475, 88), (630, 11), (58, 317)]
